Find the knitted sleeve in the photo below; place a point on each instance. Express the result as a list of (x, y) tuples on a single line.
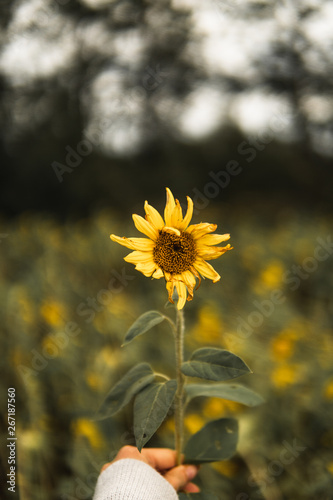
[(130, 479)]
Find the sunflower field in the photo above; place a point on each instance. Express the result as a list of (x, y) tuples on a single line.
[(68, 299)]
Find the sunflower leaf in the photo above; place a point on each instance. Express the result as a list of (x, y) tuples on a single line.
[(216, 441), (144, 323), (232, 392), (124, 390), (151, 406), (214, 364)]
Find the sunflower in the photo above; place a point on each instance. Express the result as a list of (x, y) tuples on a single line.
[(174, 250)]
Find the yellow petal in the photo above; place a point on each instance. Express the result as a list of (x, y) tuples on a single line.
[(188, 278), (209, 253), (153, 216), (145, 227), (169, 207), (158, 274), (170, 286), (177, 216), (167, 276), (172, 230), (199, 230), (182, 294), (190, 282), (206, 270), (197, 275), (146, 268), (213, 239), (133, 243), (188, 216), (138, 257)]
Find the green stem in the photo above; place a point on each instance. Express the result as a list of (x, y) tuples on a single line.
[(179, 398)]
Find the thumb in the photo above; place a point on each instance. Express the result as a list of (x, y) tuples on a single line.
[(179, 476)]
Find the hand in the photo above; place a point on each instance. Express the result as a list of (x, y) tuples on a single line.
[(164, 461)]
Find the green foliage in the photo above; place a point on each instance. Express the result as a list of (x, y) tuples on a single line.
[(151, 406), (216, 441), (232, 392), (122, 393), (144, 323), (214, 364)]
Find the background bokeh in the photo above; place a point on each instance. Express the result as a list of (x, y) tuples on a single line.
[(105, 103)]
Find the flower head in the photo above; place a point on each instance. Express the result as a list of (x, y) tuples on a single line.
[(174, 250)]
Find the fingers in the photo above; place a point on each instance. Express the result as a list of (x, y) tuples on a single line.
[(192, 488), (129, 452), (160, 458), (180, 477)]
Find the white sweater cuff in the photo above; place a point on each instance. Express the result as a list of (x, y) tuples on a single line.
[(130, 479)]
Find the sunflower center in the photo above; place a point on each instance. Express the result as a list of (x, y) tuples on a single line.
[(174, 254)]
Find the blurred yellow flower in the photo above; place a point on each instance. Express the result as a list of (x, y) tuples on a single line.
[(226, 467), (109, 356), (272, 275), (209, 326), (285, 375), (53, 312), (215, 407), (95, 381), (27, 312), (86, 428), (193, 422), (329, 467), (328, 390), (169, 425), (31, 439), (282, 346), (174, 251)]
